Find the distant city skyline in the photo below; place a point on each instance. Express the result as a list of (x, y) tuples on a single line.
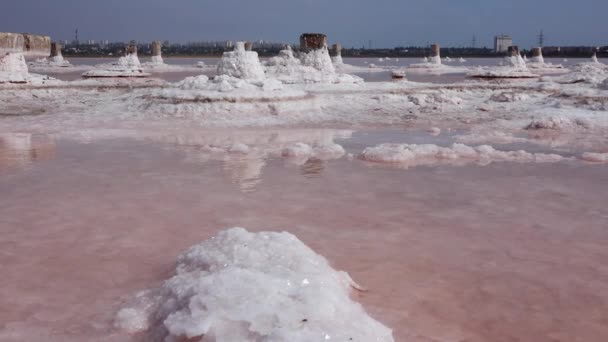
[(386, 23)]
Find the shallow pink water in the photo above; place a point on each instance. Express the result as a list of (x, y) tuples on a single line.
[(504, 252)]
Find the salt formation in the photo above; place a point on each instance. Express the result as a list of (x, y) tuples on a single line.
[(513, 66), (595, 157), (56, 56), (301, 152), (312, 65), (11, 43), (537, 56), (559, 123), (241, 63), (594, 58), (55, 60), (225, 83), (13, 68), (586, 72), (538, 62), (427, 154), (398, 74), (13, 49), (514, 59), (242, 286), (126, 66), (435, 54), (157, 58), (434, 61), (27, 44), (318, 59), (336, 58)]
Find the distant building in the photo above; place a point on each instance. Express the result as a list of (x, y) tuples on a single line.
[(502, 43)]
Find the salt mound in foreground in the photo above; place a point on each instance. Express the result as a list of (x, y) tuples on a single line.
[(242, 286)]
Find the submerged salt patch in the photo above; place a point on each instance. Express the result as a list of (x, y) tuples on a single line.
[(558, 123), (595, 157), (429, 154), (302, 150), (242, 286)]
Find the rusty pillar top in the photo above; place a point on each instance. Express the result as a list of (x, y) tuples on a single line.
[(248, 46), (537, 52), (513, 50), (435, 50), (312, 41)]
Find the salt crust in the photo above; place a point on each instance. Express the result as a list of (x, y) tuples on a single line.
[(242, 286)]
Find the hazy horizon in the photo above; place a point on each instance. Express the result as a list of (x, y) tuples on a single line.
[(387, 23)]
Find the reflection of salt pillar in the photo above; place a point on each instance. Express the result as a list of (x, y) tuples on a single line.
[(336, 53), (435, 54), (157, 53), (248, 46), (56, 50)]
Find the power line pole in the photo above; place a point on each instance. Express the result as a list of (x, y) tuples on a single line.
[(541, 39), (474, 42)]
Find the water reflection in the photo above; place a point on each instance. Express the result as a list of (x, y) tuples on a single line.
[(244, 153), (313, 167), (18, 150), (245, 172)]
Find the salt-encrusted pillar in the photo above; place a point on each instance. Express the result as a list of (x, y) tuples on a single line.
[(157, 52), (314, 52), (36, 46), (27, 44), (537, 55), (131, 50), (336, 50), (56, 50), (11, 43), (241, 63), (513, 51), (156, 48), (336, 53), (514, 58), (435, 54), (248, 46)]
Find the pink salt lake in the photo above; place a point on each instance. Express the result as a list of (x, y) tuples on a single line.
[(503, 252)]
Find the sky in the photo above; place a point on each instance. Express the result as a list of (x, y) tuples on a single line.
[(386, 23)]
